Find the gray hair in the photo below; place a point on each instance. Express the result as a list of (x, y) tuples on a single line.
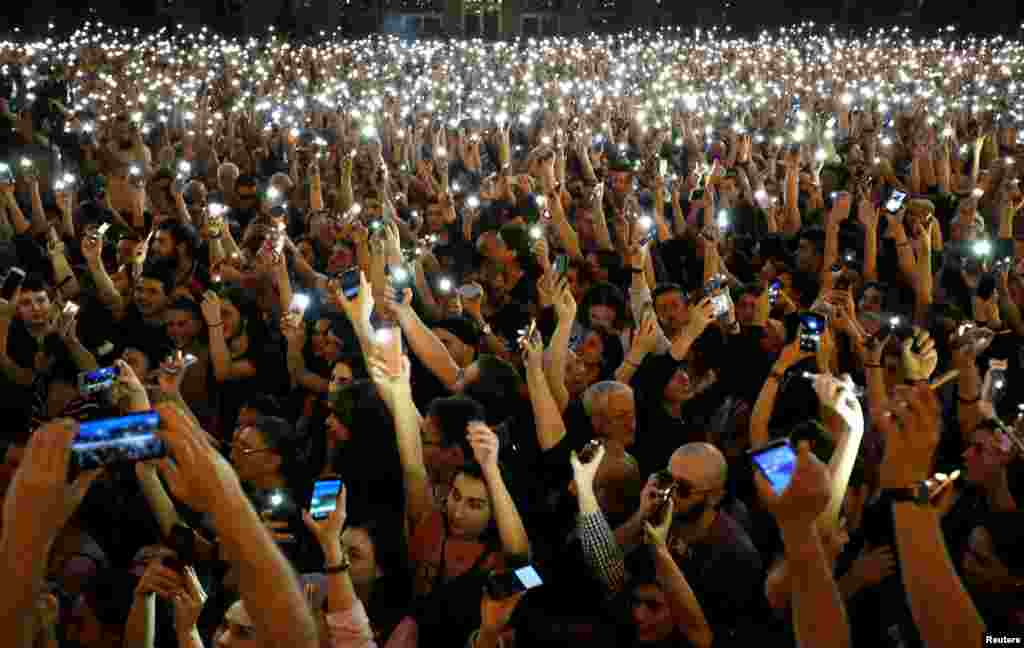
[(598, 393)]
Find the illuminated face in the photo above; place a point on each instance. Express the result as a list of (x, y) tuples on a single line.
[(325, 344), (602, 318), (341, 375), (651, 614), (983, 457), (364, 569), (679, 388), (468, 507), (618, 420), (251, 456), (34, 308), (163, 245), (150, 296), (808, 259), (672, 312), (746, 307), (182, 327)]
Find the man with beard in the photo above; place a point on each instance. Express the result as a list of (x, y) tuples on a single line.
[(177, 244), (712, 549)]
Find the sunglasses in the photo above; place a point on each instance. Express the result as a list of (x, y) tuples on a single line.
[(667, 485)]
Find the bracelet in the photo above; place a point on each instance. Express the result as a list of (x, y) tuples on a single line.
[(337, 569), (636, 270), (217, 324), (968, 401)]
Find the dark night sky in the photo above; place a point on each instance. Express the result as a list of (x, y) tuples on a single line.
[(744, 14)]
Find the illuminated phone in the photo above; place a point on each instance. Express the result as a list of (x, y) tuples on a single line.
[(123, 439), (325, 497), (773, 291), (506, 584), (350, 282), (812, 325), (895, 202), (94, 382), (663, 167), (776, 461), (714, 289)]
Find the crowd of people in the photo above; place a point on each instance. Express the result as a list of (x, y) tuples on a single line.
[(541, 308)]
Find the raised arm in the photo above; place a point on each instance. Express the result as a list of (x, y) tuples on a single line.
[(484, 442), (425, 344), (939, 603), (396, 393), (200, 477), (819, 618)]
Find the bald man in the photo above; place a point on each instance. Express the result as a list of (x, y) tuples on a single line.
[(714, 551)]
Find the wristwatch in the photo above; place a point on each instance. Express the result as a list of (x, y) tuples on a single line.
[(917, 494), (342, 566)]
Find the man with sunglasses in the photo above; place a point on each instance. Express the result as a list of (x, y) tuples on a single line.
[(711, 548)]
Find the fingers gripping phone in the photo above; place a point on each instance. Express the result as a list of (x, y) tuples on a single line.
[(94, 382), (776, 461), (122, 439), (506, 584), (895, 202), (812, 325), (714, 288), (350, 281), (325, 497)]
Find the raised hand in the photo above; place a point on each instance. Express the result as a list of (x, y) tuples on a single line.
[(805, 498), (919, 356), (910, 427), (484, 443)]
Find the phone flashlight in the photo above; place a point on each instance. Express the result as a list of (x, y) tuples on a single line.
[(473, 202), (299, 303), (981, 247)]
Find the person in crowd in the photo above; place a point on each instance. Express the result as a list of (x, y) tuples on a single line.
[(535, 313)]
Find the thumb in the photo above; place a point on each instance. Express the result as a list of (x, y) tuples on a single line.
[(310, 523)]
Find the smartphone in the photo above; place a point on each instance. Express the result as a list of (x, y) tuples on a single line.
[(773, 291), (663, 167), (506, 584), (994, 385), (812, 325), (896, 200), (776, 461), (6, 175), (15, 277), (94, 382), (664, 486), (714, 289), (561, 264), (324, 499), (350, 281), (123, 439)]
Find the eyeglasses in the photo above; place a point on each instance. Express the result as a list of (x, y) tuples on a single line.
[(667, 485)]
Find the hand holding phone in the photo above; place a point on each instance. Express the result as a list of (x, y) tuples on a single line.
[(507, 584), (122, 439), (777, 462), (324, 499)]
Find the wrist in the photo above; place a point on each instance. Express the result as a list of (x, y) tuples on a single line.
[(334, 553)]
